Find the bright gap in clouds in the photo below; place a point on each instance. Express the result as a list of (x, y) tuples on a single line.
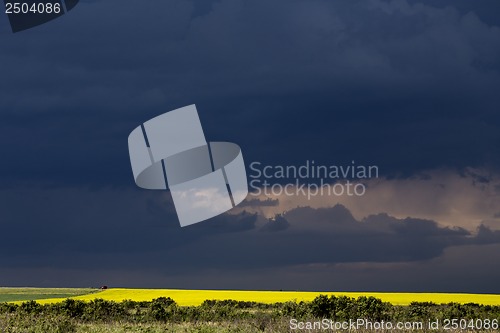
[(450, 198)]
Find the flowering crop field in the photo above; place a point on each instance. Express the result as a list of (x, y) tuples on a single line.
[(196, 297)]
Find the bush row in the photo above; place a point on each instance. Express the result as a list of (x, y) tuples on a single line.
[(165, 309), (345, 308)]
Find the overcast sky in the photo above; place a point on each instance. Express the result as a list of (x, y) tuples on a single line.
[(410, 86)]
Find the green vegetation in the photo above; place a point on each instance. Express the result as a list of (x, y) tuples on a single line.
[(165, 315), (29, 294)]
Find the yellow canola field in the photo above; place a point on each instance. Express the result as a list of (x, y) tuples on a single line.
[(196, 297)]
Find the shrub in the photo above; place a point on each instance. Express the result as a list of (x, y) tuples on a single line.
[(30, 307), (372, 308), (323, 306), (293, 310), (102, 310), (73, 308), (163, 308)]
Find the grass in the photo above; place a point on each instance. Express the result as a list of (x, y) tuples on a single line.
[(196, 297), (247, 327), (28, 294)]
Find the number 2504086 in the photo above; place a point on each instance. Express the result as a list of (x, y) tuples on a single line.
[(35, 8)]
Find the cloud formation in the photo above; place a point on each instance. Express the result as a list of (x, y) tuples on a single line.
[(410, 86), (457, 199), (111, 230), (319, 80)]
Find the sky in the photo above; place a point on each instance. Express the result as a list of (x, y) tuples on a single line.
[(409, 86)]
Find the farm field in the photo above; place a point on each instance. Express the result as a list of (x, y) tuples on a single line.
[(27, 294), (196, 297), (155, 311)]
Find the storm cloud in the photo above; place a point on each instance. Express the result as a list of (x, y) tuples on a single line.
[(409, 86), (93, 229), (406, 86)]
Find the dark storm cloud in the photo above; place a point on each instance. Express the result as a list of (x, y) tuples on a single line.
[(259, 203), (487, 10), (438, 275), (96, 229), (74, 236), (111, 229), (487, 236), (278, 223), (404, 86)]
